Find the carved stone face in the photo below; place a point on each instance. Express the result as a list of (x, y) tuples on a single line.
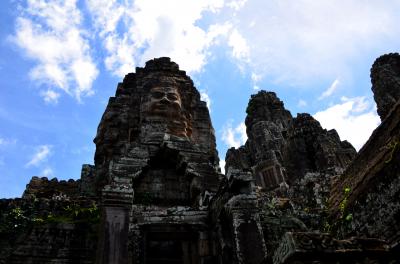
[(165, 101), (163, 104)]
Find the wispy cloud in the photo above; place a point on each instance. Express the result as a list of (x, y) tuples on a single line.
[(331, 89), (353, 118), (51, 33), (234, 137), (41, 154)]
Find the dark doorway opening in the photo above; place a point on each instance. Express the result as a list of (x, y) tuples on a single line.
[(170, 246)]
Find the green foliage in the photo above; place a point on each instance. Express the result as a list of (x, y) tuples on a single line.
[(393, 147), (38, 220), (344, 202), (349, 217), (329, 225), (17, 219), (74, 213), (271, 205), (17, 213), (13, 220)]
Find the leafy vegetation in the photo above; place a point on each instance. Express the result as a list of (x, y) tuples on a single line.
[(393, 147), (19, 217)]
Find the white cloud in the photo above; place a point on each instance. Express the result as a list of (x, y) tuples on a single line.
[(7, 142), (354, 119), (222, 166), (240, 48), (236, 4), (206, 98), (299, 41), (255, 79), (50, 96), (241, 130), (331, 89), (51, 33), (41, 154), (302, 103), (134, 32), (47, 172), (234, 137)]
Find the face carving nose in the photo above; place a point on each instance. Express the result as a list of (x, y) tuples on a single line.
[(165, 99)]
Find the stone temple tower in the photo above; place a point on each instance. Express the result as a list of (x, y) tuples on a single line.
[(156, 167)]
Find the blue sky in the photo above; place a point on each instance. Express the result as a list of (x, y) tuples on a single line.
[(60, 61)]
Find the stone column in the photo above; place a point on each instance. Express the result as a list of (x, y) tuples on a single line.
[(113, 246)]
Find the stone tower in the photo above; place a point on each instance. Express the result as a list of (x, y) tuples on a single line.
[(282, 149), (156, 167)]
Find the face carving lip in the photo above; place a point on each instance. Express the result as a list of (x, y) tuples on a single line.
[(163, 103), (164, 98)]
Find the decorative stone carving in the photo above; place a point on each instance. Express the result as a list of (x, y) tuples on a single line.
[(164, 104)]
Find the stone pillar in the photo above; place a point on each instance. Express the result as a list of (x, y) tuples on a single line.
[(247, 231), (113, 247)]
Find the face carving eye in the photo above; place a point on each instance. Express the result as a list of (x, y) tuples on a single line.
[(157, 95), (172, 97)]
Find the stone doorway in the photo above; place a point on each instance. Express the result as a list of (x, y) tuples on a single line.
[(170, 245)]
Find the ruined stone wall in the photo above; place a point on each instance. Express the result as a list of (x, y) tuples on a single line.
[(365, 198), (43, 187), (48, 229)]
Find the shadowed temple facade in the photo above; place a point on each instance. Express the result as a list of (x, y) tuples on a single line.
[(294, 193)]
